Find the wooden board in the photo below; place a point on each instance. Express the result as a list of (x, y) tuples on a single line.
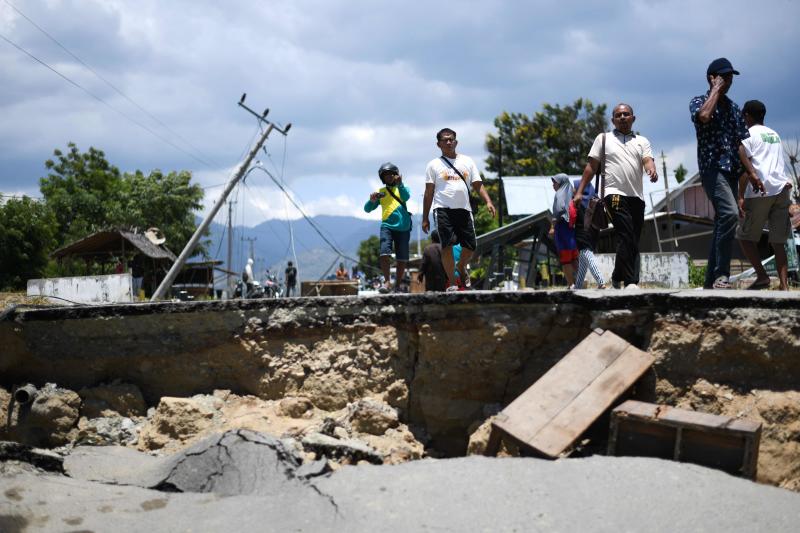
[(725, 443), (329, 288), (553, 413)]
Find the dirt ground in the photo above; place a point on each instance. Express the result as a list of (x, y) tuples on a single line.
[(8, 299), (778, 412)]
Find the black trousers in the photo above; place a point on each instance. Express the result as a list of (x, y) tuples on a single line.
[(627, 215)]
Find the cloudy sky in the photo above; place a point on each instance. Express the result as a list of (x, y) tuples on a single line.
[(361, 81)]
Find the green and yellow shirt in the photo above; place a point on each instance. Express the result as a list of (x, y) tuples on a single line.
[(393, 216)]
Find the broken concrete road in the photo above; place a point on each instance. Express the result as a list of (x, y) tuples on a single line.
[(467, 494), (233, 463)]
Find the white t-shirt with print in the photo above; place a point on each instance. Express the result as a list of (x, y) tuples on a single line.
[(449, 190), (625, 155), (765, 151)]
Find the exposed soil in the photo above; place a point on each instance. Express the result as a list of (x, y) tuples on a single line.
[(347, 377)]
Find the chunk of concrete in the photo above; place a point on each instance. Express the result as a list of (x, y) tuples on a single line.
[(369, 416), (43, 459), (235, 462), (353, 450)]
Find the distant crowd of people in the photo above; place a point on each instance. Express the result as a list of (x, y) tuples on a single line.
[(741, 168)]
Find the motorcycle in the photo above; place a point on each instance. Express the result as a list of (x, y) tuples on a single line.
[(272, 288), (240, 291)]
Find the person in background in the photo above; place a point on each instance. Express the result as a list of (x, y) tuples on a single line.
[(560, 229), (247, 277), (432, 271), (137, 274), (291, 278), (720, 130), (767, 198), (341, 273), (395, 223)]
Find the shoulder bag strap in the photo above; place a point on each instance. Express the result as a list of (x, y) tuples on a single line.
[(393, 195), (460, 175), (601, 172)]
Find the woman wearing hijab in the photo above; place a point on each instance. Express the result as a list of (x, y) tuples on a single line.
[(562, 230)]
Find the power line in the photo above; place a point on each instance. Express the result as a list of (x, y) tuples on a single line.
[(254, 193), (87, 91), (114, 87), (309, 220)]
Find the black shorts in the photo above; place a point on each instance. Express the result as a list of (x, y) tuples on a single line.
[(455, 226)]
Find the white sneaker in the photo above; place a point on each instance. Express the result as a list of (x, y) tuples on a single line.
[(631, 287), (452, 288), (722, 283)]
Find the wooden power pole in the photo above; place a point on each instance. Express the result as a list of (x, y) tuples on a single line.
[(188, 250)]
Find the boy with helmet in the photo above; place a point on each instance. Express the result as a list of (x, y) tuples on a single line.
[(395, 221)]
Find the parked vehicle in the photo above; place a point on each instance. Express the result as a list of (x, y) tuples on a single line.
[(272, 288), (256, 291)]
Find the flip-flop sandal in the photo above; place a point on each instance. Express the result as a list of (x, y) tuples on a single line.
[(759, 285)]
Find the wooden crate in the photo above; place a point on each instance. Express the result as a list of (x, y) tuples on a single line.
[(329, 288), (554, 412), (721, 442)]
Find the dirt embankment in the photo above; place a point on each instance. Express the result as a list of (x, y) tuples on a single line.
[(380, 375)]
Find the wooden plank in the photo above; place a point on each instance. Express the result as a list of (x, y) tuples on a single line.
[(550, 415), (541, 402), (685, 418), (596, 399)]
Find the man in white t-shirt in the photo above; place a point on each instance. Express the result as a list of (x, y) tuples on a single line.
[(446, 189), (767, 198), (628, 156)]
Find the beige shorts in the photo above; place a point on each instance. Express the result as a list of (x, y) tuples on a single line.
[(758, 210)]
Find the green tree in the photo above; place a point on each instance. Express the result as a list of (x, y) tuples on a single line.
[(483, 220), (680, 173), (26, 238), (166, 201), (82, 189), (553, 140), (89, 194), (369, 252)]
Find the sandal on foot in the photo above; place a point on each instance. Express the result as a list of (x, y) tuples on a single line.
[(759, 284)]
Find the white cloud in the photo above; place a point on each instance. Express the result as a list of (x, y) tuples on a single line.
[(363, 82)]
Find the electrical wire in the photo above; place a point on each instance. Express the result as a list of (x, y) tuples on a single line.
[(104, 80), (286, 207), (119, 112), (259, 197), (282, 185), (316, 228)]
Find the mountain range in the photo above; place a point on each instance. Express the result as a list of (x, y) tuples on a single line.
[(271, 244)]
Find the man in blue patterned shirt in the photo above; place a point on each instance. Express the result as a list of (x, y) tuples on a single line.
[(720, 130)]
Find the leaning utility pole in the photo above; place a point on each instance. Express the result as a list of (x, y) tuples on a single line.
[(241, 170)]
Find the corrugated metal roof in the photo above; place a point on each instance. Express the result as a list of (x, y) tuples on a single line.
[(111, 242)]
